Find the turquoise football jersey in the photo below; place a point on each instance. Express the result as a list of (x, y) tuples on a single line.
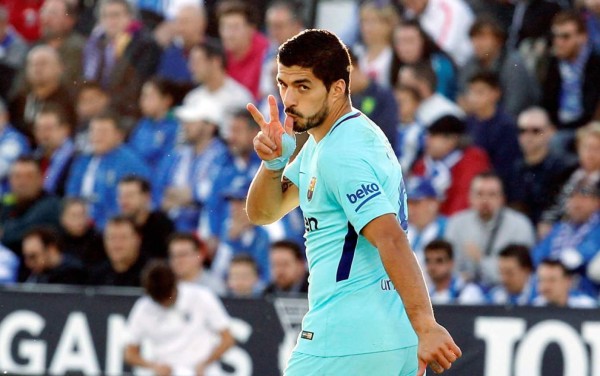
[(345, 181)]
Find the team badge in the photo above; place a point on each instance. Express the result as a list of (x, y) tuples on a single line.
[(311, 188)]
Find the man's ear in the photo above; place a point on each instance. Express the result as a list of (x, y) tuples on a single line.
[(338, 89)]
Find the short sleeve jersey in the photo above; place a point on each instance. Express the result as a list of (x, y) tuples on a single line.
[(346, 180)]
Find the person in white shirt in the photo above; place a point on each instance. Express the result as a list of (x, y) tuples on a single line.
[(186, 325), (446, 287), (555, 286)]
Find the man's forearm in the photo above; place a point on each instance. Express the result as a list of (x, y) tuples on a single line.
[(265, 196), (226, 342), (134, 358)]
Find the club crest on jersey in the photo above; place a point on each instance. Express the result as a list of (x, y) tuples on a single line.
[(311, 188)]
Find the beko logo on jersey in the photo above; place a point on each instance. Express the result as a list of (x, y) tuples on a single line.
[(363, 194)]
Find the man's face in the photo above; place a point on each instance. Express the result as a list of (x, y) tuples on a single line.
[(588, 151), (34, 254), (104, 136), (185, 259), (437, 146), (240, 136), (236, 33), (200, 65), (43, 67), (74, 219), (512, 275), (131, 199), (567, 41), (286, 269), (407, 105), (242, 278), (190, 24), (48, 132), (486, 197), (280, 24), (121, 242), (481, 95), (374, 27), (114, 19), (408, 44), (485, 44), (422, 211), (580, 207), (534, 133), (54, 20), (553, 284), (90, 102), (304, 96), (25, 181), (439, 265)]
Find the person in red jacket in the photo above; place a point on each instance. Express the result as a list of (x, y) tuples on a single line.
[(451, 163)]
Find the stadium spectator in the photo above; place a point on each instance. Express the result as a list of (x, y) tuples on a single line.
[(445, 286), (47, 263), (79, 237), (9, 266), (575, 240), (187, 254), (541, 171), (283, 20), (92, 100), (374, 100), (27, 204), (134, 197), (530, 24), (189, 27), (570, 94), (517, 285), (591, 15), (519, 88), (155, 134), (425, 224), (447, 22), (555, 287), (412, 45), (14, 50), (57, 22), (588, 151), (245, 46), (410, 136), (184, 180), (120, 56), (95, 176), (374, 52), (492, 226), (207, 64), (289, 276), (433, 105), (186, 325), (489, 126), (55, 150), (450, 163), (13, 144), (125, 260), (239, 235), (242, 277), (43, 74)]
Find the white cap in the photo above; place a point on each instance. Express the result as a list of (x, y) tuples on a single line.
[(205, 110)]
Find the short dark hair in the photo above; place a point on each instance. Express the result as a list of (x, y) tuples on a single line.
[(47, 235), (52, 108), (294, 7), (486, 77), (123, 220), (70, 201), (164, 86), (192, 238), (555, 263), (213, 48), (291, 246), (243, 8), (320, 51), (487, 22), (570, 16), (111, 116), (245, 258), (411, 90), (159, 281), (520, 253), (27, 159), (91, 85), (424, 72), (242, 113), (440, 245), (141, 182)]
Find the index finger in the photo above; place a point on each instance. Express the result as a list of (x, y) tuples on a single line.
[(257, 116), (273, 109)]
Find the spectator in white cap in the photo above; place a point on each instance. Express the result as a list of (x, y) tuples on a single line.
[(183, 182)]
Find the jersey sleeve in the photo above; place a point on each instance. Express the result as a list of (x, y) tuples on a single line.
[(356, 187), (135, 328), (218, 318)]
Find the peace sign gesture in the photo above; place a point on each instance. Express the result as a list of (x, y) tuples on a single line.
[(270, 143)]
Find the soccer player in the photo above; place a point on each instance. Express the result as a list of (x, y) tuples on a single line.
[(349, 186)]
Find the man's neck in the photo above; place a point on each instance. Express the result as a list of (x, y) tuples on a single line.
[(123, 266), (487, 60), (486, 112), (536, 157), (44, 91), (194, 276), (443, 284), (142, 217), (215, 81), (321, 131)]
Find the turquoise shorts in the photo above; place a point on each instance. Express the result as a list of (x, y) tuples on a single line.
[(401, 362)]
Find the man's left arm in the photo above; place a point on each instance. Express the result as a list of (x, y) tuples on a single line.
[(226, 342), (436, 347)]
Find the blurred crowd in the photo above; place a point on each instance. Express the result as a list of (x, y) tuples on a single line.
[(124, 138)]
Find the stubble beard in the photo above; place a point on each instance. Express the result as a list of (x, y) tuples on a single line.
[(310, 122)]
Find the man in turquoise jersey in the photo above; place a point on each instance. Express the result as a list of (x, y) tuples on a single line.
[(369, 311)]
